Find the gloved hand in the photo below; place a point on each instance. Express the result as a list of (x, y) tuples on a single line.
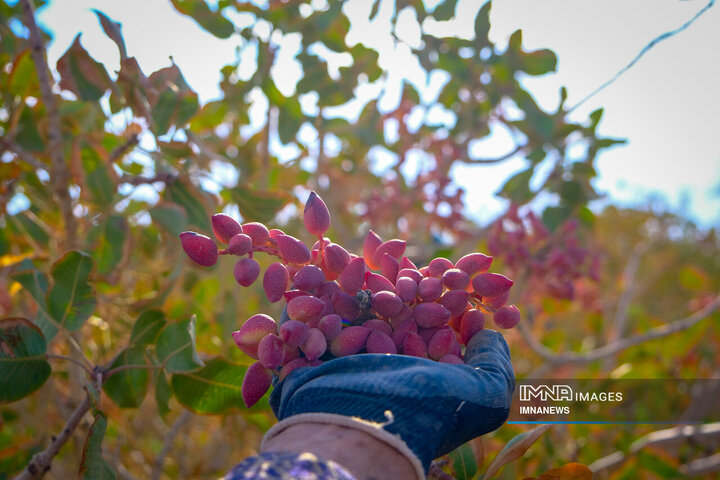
[(432, 407)]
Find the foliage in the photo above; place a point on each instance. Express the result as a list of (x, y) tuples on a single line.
[(100, 171)]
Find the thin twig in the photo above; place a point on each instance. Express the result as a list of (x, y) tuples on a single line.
[(58, 171), (701, 466), (40, 463), (179, 422), (620, 345), (488, 161), (24, 155), (645, 49), (122, 368), (628, 292), (77, 362), (120, 150), (139, 180), (75, 346), (671, 436)]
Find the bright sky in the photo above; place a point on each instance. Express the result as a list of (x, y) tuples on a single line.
[(666, 106)]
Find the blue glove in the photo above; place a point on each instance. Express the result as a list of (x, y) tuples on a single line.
[(433, 407)]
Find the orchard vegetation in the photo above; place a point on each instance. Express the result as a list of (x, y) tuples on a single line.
[(117, 356)]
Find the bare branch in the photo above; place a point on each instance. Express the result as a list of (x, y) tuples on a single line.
[(488, 161), (58, 172), (40, 463), (179, 422), (701, 434), (620, 345), (645, 49), (122, 368), (24, 155), (139, 180), (51, 356), (121, 150), (701, 466), (628, 292)]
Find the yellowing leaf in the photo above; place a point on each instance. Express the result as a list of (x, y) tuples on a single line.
[(515, 449), (570, 471)]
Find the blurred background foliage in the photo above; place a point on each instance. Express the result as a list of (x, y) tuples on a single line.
[(116, 164)]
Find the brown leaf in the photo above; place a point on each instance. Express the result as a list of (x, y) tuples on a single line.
[(478, 449), (570, 471), (81, 74), (515, 449)]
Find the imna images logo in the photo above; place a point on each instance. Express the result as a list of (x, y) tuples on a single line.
[(546, 393)]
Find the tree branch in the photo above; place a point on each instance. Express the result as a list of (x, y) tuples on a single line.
[(122, 368), (51, 356), (23, 155), (139, 180), (121, 150), (669, 437), (645, 49), (58, 172), (620, 345), (488, 161), (628, 292), (701, 466), (40, 463)]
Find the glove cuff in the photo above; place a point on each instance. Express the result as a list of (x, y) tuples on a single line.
[(373, 429)]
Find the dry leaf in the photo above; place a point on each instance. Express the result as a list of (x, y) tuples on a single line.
[(515, 449)]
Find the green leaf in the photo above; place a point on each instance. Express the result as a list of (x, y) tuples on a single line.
[(572, 193), (93, 466), (290, 120), (163, 393), (539, 62), (657, 465), (70, 301), (4, 243), (24, 224), (127, 388), (259, 206), (464, 462), (595, 117), (100, 185), (146, 327), (23, 366), (112, 243), (553, 217), (175, 347), (23, 77), (214, 389), (170, 217), (27, 135), (374, 10), (482, 26), (515, 41), (81, 74), (211, 21), (445, 11), (517, 188), (176, 103), (173, 109), (210, 116), (113, 30), (609, 142), (181, 194)]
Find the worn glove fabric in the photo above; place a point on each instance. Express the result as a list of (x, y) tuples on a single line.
[(287, 466), (433, 407)]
